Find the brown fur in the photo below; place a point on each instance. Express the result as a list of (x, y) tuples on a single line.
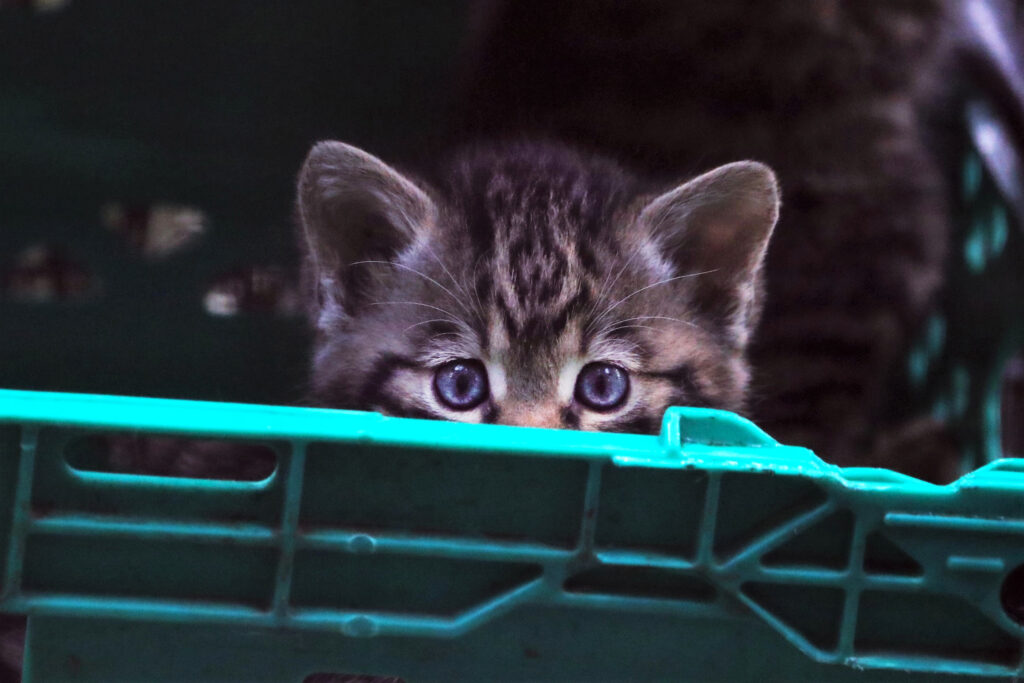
[(534, 260)]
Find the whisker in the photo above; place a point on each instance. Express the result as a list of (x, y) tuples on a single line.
[(416, 272), (659, 317), (474, 292), (454, 318), (650, 286), (628, 327), (445, 269), (607, 286), (427, 322)]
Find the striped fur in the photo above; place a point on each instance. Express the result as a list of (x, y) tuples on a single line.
[(535, 260)]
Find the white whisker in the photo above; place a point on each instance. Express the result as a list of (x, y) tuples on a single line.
[(607, 286), (445, 269), (416, 272), (427, 322), (628, 327), (453, 318), (658, 317), (650, 286)]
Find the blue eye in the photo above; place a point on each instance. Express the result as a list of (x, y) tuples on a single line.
[(461, 384), (602, 386)]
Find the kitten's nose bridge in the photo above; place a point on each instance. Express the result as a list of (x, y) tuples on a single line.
[(545, 415)]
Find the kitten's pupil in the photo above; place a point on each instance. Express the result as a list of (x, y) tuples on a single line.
[(461, 384), (602, 386)]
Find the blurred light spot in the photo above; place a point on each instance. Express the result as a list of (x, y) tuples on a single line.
[(974, 249), (156, 230), (972, 176), (38, 5), (254, 289), (936, 335), (999, 228), (1012, 407), (43, 273), (960, 391), (917, 367)]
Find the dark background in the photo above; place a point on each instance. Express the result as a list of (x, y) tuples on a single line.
[(206, 104)]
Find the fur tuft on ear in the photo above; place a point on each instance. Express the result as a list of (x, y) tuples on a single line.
[(353, 207), (716, 227)]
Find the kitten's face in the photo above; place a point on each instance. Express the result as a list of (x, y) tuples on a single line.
[(532, 287)]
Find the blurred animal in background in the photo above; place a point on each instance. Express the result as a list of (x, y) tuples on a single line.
[(850, 103)]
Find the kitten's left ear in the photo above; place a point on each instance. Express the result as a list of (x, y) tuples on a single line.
[(716, 228), (355, 208)]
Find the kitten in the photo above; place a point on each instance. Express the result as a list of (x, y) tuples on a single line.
[(532, 285)]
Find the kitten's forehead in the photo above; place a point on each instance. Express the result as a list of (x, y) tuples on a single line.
[(541, 225)]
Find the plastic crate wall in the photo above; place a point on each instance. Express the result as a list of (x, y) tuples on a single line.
[(440, 551)]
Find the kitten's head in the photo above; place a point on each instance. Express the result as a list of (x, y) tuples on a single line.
[(531, 285)]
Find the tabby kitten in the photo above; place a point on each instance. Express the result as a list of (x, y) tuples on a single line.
[(532, 285)]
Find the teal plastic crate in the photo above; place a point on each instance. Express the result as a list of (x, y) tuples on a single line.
[(438, 551)]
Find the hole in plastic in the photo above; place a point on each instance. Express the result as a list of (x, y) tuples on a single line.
[(825, 544), (166, 456), (253, 289), (751, 505), (1012, 595), (882, 556), (1012, 407), (155, 230), (939, 627), (324, 579), (641, 582), (813, 612), (43, 273)]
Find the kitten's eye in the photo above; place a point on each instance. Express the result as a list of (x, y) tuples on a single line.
[(461, 384), (601, 386)]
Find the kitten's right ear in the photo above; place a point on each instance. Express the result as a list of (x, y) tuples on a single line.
[(355, 208), (715, 229)]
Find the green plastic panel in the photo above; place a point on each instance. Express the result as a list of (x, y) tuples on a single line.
[(955, 368), (438, 551)]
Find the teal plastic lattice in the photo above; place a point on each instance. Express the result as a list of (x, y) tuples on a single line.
[(439, 551)]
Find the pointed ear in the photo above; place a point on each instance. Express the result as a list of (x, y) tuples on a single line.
[(716, 227), (353, 207)]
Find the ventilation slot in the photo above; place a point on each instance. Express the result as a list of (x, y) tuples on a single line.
[(1012, 595), (651, 509), (933, 626), (149, 568), (392, 583), (826, 544), (155, 231), (642, 582), (754, 504), (44, 273), (355, 487), (882, 556), (165, 456), (253, 289), (814, 613)]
